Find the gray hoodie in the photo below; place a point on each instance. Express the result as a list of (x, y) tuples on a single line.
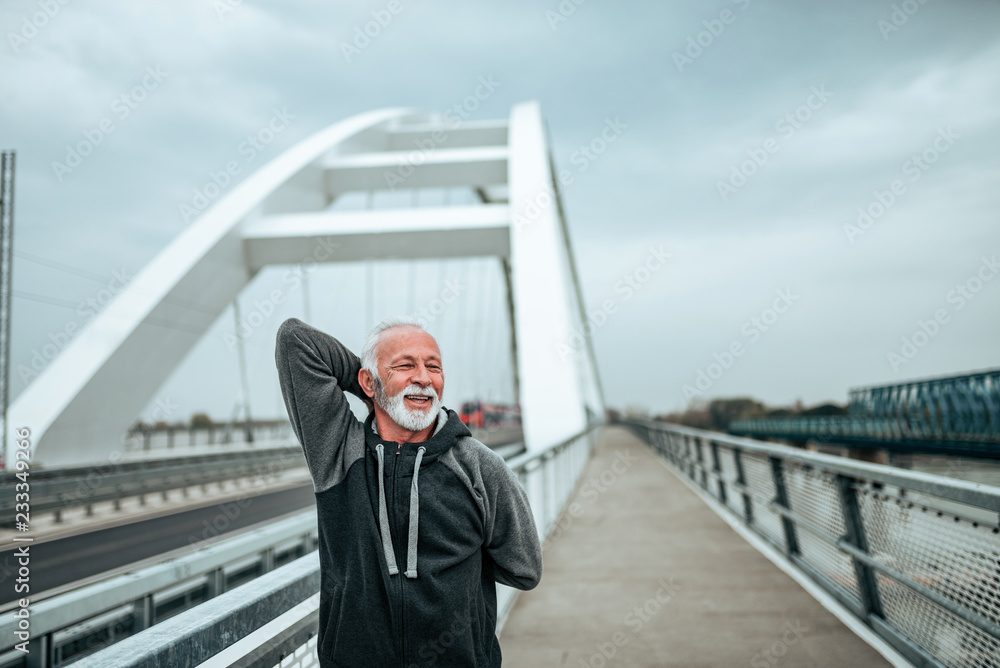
[(408, 570)]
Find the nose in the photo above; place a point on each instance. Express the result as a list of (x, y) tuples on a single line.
[(421, 376)]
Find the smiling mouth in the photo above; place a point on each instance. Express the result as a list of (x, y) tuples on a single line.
[(420, 399)]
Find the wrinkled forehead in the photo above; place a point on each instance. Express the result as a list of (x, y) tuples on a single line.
[(406, 341)]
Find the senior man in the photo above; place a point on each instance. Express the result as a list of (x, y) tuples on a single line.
[(407, 570)]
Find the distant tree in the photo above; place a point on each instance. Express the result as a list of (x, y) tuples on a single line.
[(201, 420), (723, 411), (695, 415), (637, 412), (823, 410), (717, 414), (612, 415)]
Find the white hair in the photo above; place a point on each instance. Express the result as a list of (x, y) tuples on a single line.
[(369, 354)]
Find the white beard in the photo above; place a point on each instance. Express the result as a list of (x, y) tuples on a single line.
[(411, 420)]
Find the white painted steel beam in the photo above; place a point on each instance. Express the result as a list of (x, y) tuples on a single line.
[(436, 168), (427, 136), (554, 392), (427, 232)]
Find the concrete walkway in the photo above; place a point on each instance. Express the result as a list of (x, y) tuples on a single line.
[(643, 573)]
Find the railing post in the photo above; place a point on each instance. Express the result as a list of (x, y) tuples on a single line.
[(700, 459), (267, 559), (142, 613), (781, 498), (742, 480), (717, 468), (855, 526), (216, 582), (41, 652), (692, 465)]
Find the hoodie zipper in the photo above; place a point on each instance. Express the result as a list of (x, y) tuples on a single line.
[(400, 577)]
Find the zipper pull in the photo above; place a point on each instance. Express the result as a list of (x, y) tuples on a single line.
[(399, 447)]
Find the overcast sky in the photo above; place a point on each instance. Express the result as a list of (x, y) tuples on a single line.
[(831, 102)]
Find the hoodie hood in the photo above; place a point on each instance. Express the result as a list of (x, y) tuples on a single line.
[(449, 430)]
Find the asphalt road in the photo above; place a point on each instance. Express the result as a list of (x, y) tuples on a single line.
[(65, 560)]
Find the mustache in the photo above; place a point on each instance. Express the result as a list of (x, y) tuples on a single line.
[(417, 391)]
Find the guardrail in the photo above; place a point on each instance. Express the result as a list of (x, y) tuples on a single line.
[(277, 616), (915, 556), (53, 491), (82, 621), (146, 437)]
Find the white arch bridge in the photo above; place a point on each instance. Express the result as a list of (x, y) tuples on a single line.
[(80, 406)]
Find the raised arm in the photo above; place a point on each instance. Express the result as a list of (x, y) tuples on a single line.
[(314, 370)]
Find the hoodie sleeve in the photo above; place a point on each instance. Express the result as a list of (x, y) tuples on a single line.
[(314, 371), (511, 537)]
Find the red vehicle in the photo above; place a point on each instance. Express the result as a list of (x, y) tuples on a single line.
[(490, 416)]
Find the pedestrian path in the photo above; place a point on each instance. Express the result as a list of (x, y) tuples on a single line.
[(641, 572)]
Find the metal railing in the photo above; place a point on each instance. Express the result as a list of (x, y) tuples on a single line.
[(915, 556), (955, 413), (967, 404), (867, 431), (147, 437), (549, 478), (53, 491), (277, 616), (70, 625)]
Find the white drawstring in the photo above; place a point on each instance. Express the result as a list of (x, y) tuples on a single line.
[(383, 514), (411, 539)]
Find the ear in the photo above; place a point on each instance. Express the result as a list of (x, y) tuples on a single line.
[(367, 383)]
